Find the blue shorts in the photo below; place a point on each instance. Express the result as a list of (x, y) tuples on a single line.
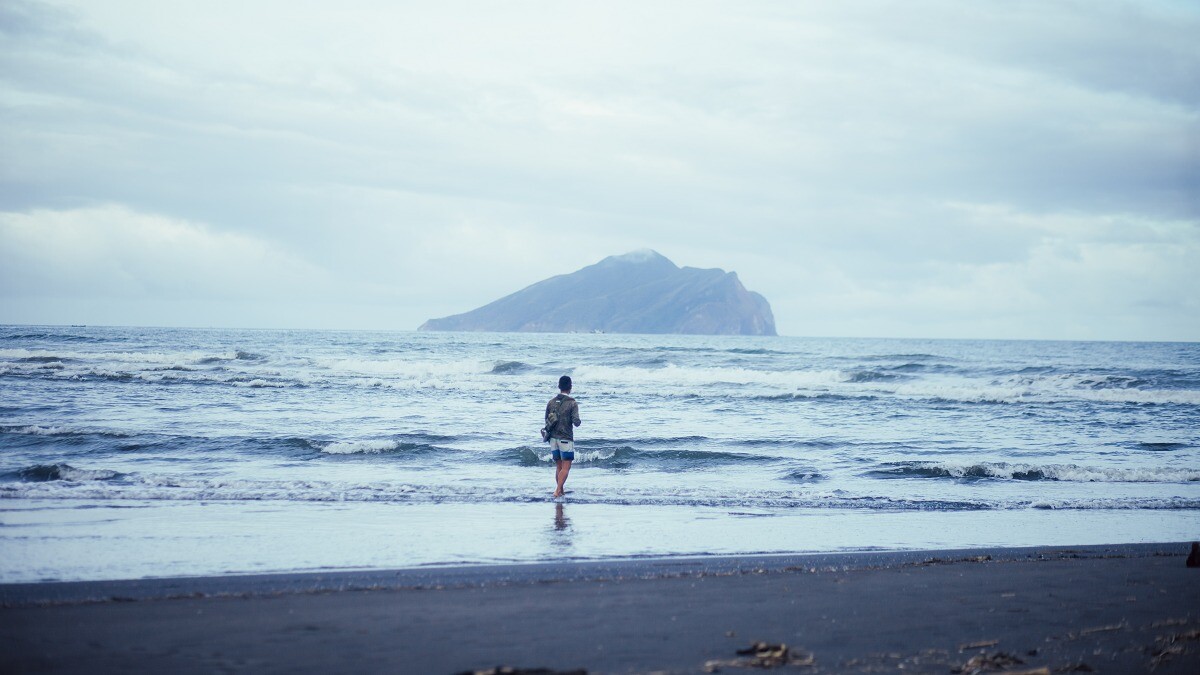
[(561, 449)]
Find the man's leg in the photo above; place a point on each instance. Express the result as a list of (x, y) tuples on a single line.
[(557, 476), (562, 476)]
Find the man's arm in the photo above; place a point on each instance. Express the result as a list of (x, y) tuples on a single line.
[(575, 414)]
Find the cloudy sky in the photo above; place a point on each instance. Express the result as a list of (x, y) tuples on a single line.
[(917, 169)]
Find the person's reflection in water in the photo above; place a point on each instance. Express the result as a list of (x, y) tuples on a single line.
[(561, 537)]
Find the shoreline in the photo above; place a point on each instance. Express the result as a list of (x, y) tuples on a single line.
[(439, 577), (1121, 608), (62, 541), (456, 575)]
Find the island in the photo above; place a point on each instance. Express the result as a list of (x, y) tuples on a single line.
[(639, 292)]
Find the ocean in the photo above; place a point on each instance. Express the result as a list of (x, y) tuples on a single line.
[(156, 452)]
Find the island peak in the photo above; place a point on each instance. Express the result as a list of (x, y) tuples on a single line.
[(638, 292)]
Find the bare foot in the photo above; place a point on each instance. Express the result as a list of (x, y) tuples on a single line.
[(557, 493)]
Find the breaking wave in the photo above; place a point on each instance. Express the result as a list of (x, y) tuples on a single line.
[(156, 375), (873, 376), (34, 430), (62, 482), (60, 337), (626, 456), (1054, 472), (884, 382), (135, 358), (510, 367), (803, 476), (237, 355), (375, 447), (675, 375), (41, 473)]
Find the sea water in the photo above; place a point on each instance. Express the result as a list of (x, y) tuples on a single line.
[(135, 452)]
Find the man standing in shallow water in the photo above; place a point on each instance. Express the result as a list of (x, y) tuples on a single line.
[(562, 432)]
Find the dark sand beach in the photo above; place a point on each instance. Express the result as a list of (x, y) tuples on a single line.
[(1116, 609)]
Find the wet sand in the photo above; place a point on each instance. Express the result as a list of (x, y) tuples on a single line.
[(1116, 609)]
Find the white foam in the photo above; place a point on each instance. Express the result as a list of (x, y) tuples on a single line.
[(405, 373), (36, 430), (91, 485), (41, 431), (259, 383), (581, 456), (1028, 389), (26, 353), (357, 447), (171, 376), (155, 487), (72, 474), (806, 383), (1156, 504), (673, 375), (406, 368), (1064, 472), (1025, 394), (1118, 475), (802, 383), (177, 358)]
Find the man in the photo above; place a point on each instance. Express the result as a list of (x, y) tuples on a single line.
[(562, 432)]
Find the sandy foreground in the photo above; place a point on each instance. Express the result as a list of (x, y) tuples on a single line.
[(1114, 609)]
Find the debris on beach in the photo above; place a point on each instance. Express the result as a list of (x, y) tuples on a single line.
[(984, 662), (1168, 646), (924, 661), (950, 561), (978, 645), (1103, 629), (510, 670), (763, 655)]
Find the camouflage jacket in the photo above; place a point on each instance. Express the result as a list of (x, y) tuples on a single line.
[(568, 417)]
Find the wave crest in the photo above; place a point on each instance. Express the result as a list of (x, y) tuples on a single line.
[(374, 447), (510, 367), (40, 473), (627, 456), (36, 430), (176, 488), (1057, 472)]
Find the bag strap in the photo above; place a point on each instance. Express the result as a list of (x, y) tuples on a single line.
[(558, 401)]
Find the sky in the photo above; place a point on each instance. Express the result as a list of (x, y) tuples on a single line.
[(993, 169)]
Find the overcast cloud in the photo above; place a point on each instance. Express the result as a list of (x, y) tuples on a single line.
[(918, 169)]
